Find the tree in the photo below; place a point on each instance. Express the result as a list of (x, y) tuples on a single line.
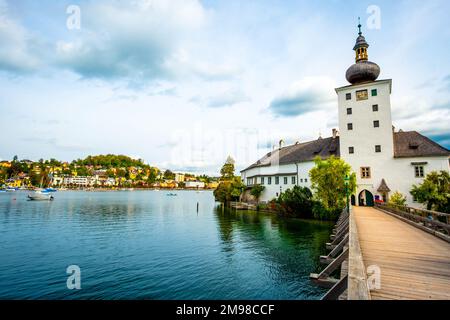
[(229, 190), (152, 175), (328, 183), (295, 202), (434, 191), (398, 199), (230, 187), (256, 191), (227, 171), (169, 175)]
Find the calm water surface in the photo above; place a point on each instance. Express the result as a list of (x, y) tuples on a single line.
[(147, 245)]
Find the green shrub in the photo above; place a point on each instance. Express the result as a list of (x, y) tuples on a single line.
[(322, 213), (295, 202), (397, 199)]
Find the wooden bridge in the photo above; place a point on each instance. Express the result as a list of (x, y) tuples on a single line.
[(388, 253)]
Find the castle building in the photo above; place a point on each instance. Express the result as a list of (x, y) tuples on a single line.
[(384, 161)]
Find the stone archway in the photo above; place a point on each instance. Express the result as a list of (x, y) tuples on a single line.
[(365, 199)]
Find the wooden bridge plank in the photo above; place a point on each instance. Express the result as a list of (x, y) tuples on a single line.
[(413, 263)]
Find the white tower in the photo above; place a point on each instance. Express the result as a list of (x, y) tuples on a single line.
[(365, 124)]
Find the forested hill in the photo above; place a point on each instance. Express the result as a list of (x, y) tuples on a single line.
[(110, 161)]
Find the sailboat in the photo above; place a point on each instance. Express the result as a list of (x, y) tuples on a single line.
[(40, 196)]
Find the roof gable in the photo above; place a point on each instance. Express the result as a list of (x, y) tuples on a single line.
[(412, 144)]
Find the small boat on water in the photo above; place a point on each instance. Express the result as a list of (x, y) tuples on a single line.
[(172, 194), (40, 196), (49, 190)]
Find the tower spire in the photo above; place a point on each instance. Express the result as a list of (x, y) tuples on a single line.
[(359, 26), (363, 70)]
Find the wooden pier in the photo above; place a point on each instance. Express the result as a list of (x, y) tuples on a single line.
[(411, 255)]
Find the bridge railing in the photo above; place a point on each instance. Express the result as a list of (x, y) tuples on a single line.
[(336, 259), (436, 221), (345, 255)]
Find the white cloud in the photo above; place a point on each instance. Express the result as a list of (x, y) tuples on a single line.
[(307, 95), (17, 52), (137, 41), (223, 98)]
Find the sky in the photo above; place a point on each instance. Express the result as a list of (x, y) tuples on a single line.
[(183, 84)]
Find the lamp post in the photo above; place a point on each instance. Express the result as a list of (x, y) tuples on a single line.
[(346, 182)]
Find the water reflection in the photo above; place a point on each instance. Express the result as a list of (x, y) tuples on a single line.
[(293, 245), (147, 245)]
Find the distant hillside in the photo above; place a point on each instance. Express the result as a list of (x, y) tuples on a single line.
[(110, 161)]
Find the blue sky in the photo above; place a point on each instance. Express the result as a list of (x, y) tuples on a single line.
[(185, 83)]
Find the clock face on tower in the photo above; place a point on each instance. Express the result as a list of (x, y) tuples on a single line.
[(362, 95)]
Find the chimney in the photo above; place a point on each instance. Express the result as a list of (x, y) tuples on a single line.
[(281, 143), (335, 132)]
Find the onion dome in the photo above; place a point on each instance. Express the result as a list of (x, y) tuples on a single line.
[(363, 70)]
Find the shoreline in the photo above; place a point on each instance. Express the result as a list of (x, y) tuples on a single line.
[(116, 190)]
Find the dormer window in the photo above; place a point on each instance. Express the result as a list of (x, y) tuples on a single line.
[(413, 145)]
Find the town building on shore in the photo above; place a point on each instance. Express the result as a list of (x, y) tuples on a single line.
[(194, 185), (384, 160), (179, 177)]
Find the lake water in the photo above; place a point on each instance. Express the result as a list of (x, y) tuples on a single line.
[(147, 245)]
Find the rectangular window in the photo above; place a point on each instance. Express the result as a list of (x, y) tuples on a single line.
[(351, 150), (262, 180), (376, 124), (285, 180), (349, 110), (269, 180), (301, 180), (419, 171), (349, 126), (375, 108), (361, 95), (277, 180), (306, 180), (374, 92), (293, 180), (365, 172), (377, 148), (348, 96)]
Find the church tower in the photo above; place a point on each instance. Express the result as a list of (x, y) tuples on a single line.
[(365, 123)]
